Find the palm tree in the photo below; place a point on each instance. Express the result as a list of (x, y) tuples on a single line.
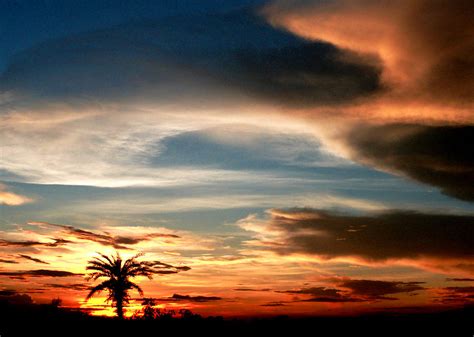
[(118, 274)]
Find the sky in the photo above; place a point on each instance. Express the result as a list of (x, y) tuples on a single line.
[(288, 157)]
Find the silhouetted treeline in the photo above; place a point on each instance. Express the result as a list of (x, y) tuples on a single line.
[(52, 320)]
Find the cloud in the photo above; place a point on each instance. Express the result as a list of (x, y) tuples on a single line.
[(189, 298), (68, 286), (165, 268), (447, 240), (38, 273), (273, 304), (312, 74), (419, 62), (379, 289), (419, 123), (200, 58), (105, 239), (353, 290), (455, 295), (174, 63), (8, 261), (27, 257), (55, 243), (251, 289), (460, 279), (192, 72), (8, 198), (322, 295), (435, 155), (316, 291)]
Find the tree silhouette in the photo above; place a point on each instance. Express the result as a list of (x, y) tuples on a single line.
[(149, 311), (117, 274)]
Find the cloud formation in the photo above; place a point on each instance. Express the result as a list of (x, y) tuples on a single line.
[(30, 243), (38, 273), (68, 286), (203, 58), (427, 60), (162, 268), (435, 155), (105, 239), (323, 295), (8, 198), (27, 257), (354, 290), (418, 125), (395, 236), (190, 298), (379, 289), (455, 295)]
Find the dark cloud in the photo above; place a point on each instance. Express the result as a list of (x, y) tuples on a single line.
[(134, 240), (68, 286), (38, 273), (8, 261), (189, 298), (252, 289), (460, 279), (341, 299), (27, 257), (273, 304), (455, 295), (316, 291), (103, 239), (158, 267), (436, 155), (322, 295), (310, 74), (355, 291), (390, 235), (202, 58), (379, 289), (56, 243)]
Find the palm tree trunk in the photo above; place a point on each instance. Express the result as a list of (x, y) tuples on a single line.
[(119, 308)]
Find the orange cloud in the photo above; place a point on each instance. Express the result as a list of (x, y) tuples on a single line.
[(8, 198), (425, 48)]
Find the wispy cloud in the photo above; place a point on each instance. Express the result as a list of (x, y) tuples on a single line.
[(38, 273), (8, 198), (34, 259)]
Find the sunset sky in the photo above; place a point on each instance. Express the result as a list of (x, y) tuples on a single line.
[(300, 157)]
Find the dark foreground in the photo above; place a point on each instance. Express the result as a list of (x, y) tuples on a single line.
[(53, 321)]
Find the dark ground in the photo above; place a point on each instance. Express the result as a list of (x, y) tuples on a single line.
[(47, 320)]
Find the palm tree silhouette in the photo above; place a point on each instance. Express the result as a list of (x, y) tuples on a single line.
[(118, 274)]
